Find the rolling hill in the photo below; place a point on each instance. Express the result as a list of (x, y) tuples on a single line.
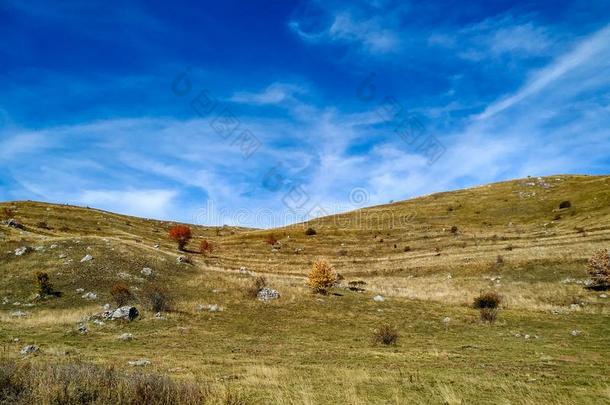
[(428, 257)]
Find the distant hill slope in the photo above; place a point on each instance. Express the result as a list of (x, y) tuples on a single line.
[(460, 232)]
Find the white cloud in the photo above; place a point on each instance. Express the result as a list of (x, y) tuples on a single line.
[(146, 203), (276, 93), (596, 46)]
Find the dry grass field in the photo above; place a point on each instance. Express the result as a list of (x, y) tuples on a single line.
[(428, 257)]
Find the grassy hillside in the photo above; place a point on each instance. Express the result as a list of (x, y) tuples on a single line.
[(428, 257)]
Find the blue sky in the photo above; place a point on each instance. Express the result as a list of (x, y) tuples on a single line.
[(266, 113)]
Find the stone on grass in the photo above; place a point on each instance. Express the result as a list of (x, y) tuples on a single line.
[(267, 294), (126, 337), (28, 349), (603, 295), (139, 363), (147, 271), (90, 296), (128, 313), (210, 308), (183, 259), (87, 258), (378, 298), (159, 316), (22, 250), (82, 328), (19, 314), (576, 332)]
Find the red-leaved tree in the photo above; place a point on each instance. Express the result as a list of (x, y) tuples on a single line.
[(181, 234)]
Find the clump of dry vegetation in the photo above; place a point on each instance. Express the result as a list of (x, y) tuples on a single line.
[(310, 231), (489, 315), (255, 286), (386, 334), (78, 383), (271, 239), (490, 299), (121, 294), (44, 286), (599, 270), (322, 276), (159, 298), (206, 247)]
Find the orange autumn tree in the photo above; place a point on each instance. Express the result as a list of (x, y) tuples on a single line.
[(181, 234)]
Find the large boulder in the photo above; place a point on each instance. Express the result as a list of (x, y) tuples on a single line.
[(128, 313)]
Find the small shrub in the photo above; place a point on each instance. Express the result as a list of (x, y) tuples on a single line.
[(121, 294), (385, 335), (322, 276), (206, 247), (490, 299), (407, 248), (45, 288), (181, 234), (42, 225), (489, 314), (509, 248), (255, 286), (500, 260), (598, 268), (342, 252), (158, 298), (454, 229), (310, 232), (7, 213), (565, 204), (557, 217), (271, 239)]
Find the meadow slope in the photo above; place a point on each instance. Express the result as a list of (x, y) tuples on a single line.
[(429, 257)]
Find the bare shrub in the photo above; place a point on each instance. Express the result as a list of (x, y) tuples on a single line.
[(322, 277), (255, 286), (271, 239), (489, 314), (42, 225), (311, 232), (121, 294), (598, 268), (565, 204), (206, 247), (385, 335), (490, 299), (44, 286), (454, 229), (159, 298)]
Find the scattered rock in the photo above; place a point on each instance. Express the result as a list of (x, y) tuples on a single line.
[(62, 256), (22, 250), (446, 320), (87, 258), (128, 313), (14, 224), (126, 337), (574, 307), (82, 328), (29, 349), (139, 363), (159, 316), (576, 332), (19, 314), (210, 308), (90, 296), (157, 246), (267, 294), (98, 322), (53, 246), (603, 295), (146, 271), (106, 307), (80, 290), (378, 298), (183, 259)]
